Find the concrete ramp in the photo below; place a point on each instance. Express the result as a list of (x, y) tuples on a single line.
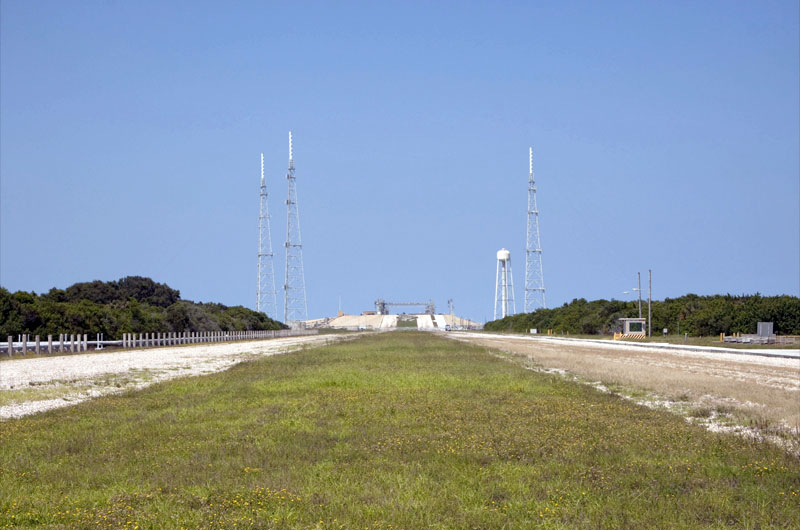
[(389, 322), (425, 322), (440, 321), (355, 322), (460, 323)]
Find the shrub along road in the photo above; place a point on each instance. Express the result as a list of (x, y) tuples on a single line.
[(397, 430)]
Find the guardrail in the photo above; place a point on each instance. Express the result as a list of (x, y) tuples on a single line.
[(758, 339), (76, 343)]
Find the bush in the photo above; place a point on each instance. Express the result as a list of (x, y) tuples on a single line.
[(131, 305), (693, 314)]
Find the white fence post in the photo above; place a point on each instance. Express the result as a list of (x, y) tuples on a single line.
[(49, 344)]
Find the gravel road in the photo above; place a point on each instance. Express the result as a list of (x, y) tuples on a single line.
[(751, 393), (31, 385)]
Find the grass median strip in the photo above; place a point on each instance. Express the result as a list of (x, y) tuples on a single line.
[(397, 430)]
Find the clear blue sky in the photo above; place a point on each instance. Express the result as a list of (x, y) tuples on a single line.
[(665, 136)]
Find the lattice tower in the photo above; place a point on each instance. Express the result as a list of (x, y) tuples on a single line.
[(534, 276), (266, 296), (295, 307)]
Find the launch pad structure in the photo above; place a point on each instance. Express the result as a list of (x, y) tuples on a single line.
[(295, 304), (382, 306)]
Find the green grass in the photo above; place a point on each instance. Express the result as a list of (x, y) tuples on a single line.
[(396, 430)]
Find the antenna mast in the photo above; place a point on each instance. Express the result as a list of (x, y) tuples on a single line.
[(266, 297), (534, 277), (295, 307)]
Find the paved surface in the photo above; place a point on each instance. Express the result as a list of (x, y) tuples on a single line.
[(788, 359), (763, 352)]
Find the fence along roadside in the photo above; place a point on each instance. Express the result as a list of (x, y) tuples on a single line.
[(76, 343)]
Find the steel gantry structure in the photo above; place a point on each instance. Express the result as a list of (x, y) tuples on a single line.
[(381, 306)]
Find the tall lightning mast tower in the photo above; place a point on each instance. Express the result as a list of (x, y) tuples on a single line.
[(534, 277), (266, 297), (295, 307)]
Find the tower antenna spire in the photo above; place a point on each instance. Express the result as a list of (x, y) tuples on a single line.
[(295, 306), (266, 296), (534, 276), (530, 162)]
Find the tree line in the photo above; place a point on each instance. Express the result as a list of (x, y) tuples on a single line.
[(692, 314), (130, 305)]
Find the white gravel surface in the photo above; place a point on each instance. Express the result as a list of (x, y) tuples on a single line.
[(789, 358), (75, 378)]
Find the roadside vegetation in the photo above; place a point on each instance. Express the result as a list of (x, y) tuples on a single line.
[(699, 316), (751, 398), (131, 305), (394, 430)]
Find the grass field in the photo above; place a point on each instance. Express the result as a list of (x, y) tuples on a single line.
[(397, 430), (760, 395)]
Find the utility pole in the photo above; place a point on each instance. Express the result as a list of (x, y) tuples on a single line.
[(639, 279), (649, 302)]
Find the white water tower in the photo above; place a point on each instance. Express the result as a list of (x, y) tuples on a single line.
[(504, 286)]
